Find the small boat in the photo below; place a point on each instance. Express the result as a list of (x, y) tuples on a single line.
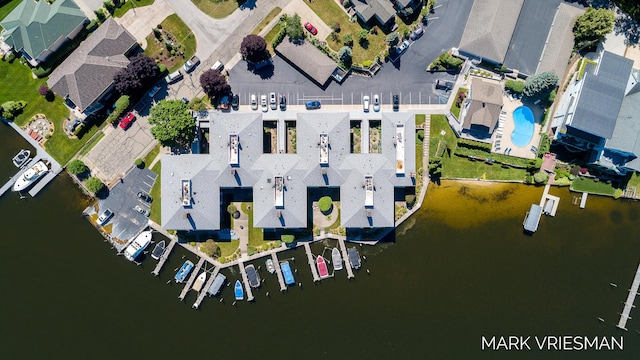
[(286, 272), (336, 258), (184, 271), (218, 283), (270, 268), (30, 176), (252, 275), (322, 267), (158, 250), (239, 291), (21, 158), (354, 258), (197, 286), (138, 245)]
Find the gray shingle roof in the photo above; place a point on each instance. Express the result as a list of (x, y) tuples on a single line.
[(307, 59), (88, 72), (626, 134), (34, 26), (367, 9), (486, 103)]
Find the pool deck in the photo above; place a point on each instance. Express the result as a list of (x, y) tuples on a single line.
[(509, 126)]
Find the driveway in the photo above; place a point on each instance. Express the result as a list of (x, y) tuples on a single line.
[(140, 21), (308, 15)]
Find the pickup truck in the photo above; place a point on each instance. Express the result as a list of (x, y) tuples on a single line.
[(191, 64)]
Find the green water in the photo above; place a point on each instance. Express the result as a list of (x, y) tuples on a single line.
[(458, 270)]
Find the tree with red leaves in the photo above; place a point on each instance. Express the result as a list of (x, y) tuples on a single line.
[(214, 83), (254, 48)]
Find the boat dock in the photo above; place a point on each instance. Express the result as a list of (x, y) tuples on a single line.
[(164, 257), (245, 280), (548, 205), (312, 263), (276, 264), (206, 287), (192, 278), (630, 299), (583, 200), (345, 257)]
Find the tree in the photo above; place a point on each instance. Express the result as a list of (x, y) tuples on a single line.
[(43, 90), (287, 239), (294, 27), (172, 124), (345, 56), (540, 85), (141, 72), (214, 83), (325, 204), (540, 178), (77, 167), (447, 62), (209, 247), (122, 104), (11, 109), (254, 48), (393, 39), (348, 40), (94, 184), (232, 209), (593, 25), (139, 163), (514, 86), (197, 104)]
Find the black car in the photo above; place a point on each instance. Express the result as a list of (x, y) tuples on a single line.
[(444, 85), (283, 102), (396, 102), (235, 101), (144, 196)]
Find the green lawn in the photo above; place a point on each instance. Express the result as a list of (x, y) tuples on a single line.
[(7, 8), (439, 123), (594, 187), (271, 35), (131, 4), (270, 16), (155, 195), (91, 144), (634, 180), (217, 9), (420, 119), (183, 35), (455, 108), (228, 247), (256, 236), (151, 155)]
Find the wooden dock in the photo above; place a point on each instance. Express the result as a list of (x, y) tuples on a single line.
[(345, 257), (164, 257), (312, 263), (276, 264), (192, 278), (628, 305), (583, 200), (206, 287), (245, 280)]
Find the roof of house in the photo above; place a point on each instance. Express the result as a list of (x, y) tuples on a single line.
[(89, 70), (626, 134), (368, 9), (601, 95), (33, 26), (486, 104), (308, 59), (403, 3)]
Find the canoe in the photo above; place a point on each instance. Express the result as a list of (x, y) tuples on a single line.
[(239, 291)]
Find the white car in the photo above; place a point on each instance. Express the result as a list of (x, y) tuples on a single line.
[(104, 217), (263, 103), (142, 211), (376, 103), (254, 102), (273, 101), (365, 103)]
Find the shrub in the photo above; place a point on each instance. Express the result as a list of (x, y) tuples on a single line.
[(139, 163), (514, 86), (348, 40), (77, 167), (41, 72), (345, 56), (232, 209), (43, 90), (540, 178), (92, 25), (410, 199), (11, 109), (540, 85), (287, 239), (472, 144), (420, 134), (366, 63), (94, 185), (336, 27), (100, 15), (162, 68), (157, 33), (209, 247), (346, 3), (10, 57), (325, 203), (392, 39), (575, 170)]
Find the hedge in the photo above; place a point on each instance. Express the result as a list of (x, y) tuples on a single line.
[(476, 145)]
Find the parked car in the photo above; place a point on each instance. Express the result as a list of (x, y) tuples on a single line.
[(154, 91), (313, 105), (376, 102), (223, 104), (396, 102), (174, 77), (104, 217), (444, 85), (283, 102), (254, 102), (142, 211), (404, 46), (235, 102), (416, 34), (272, 101), (263, 103), (127, 120), (311, 28), (365, 103), (218, 66), (144, 196), (191, 64)]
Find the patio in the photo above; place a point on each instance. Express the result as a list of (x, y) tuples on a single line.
[(506, 126)]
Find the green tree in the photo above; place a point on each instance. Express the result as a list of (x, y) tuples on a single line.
[(540, 178), (172, 124), (348, 40), (209, 247), (540, 85), (410, 199), (345, 56), (11, 109), (294, 27), (393, 39), (122, 104), (94, 184), (287, 239), (197, 104), (325, 203), (77, 167), (593, 25), (514, 86), (232, 209)]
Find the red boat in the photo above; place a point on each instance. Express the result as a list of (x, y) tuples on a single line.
[(322, 267)]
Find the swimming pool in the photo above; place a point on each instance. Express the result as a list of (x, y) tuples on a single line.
[(523, 131)]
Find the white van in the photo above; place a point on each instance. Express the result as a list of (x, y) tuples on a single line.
[(217, 66), (173, 77)]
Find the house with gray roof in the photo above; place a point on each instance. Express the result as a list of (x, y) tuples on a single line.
[(310, 61), (595, 123), (380, 11), (37, 29), (85, 78), (279, 182), (482, 108)]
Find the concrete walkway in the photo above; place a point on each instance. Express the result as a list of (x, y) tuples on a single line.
[(140, 21)]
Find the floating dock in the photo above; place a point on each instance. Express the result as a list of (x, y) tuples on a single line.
[(194, 274), (276, 264), (630, 299), (345, 257), (164, 257), (245, 280), (550, 205), (312, 263), (583, 200), (206, 287)]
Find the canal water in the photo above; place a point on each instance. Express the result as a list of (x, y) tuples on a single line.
[(458, 270)]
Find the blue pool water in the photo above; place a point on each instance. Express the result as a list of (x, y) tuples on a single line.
[(523, 131)]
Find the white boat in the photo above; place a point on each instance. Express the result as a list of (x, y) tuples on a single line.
[(30, 176), (158, 250), (138, 245), (336, 258), (21, 158), (197, 286)]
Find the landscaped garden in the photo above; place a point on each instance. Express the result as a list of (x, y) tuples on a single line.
[(593, 186), (218, 9), (155, 207), (131, 4), (457, 105), (171, 43)]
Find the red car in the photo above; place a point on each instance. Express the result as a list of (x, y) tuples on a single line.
[(126, 121), (311, 28)]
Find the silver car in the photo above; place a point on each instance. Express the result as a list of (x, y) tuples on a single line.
[(365, 103), (376, 103), (272, 101), (254, 102), (142, 211), (263, 103)]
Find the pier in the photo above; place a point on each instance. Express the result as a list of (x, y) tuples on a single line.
[(164, 257), (245, 280), (583, 200), (345, 257), (192, 278), (630, 299), (206, 287), (312, 263), (276, 264)]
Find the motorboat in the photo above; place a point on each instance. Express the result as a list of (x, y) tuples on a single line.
[(200, 280), (185, 269), (252, 275), (286, 272), (239, 291), (30, 176), (138, 245), (354, 258), (336, 258), (21, 158), (217, 285), (322, 267), (158, 250), (270, 268)]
